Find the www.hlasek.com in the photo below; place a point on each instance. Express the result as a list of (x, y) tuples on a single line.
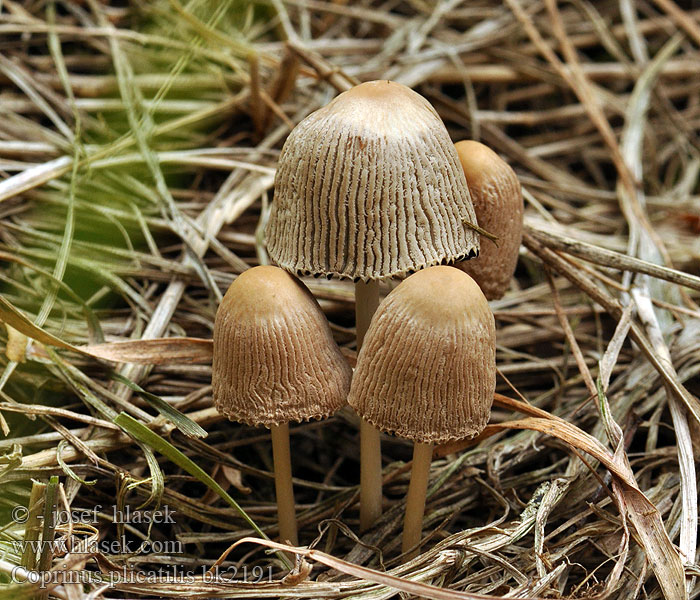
[(62, 546), (167, 575)]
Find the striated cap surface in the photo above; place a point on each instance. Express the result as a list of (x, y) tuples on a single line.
[(498, 203), (427, 367), (368, 187), (275, 360)]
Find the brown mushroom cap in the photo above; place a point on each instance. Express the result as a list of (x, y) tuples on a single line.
[(368, 187), (275, 360), (498, 203), (427, 369)]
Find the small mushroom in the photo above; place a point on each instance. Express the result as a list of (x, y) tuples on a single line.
[(275, 362), (498, 203), (370, 187), (427, 371)]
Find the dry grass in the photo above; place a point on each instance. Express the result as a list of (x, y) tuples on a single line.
[(137, 155)]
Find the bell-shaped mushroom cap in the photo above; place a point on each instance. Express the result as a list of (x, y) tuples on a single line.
[(275, 360), (368, 187), (498, 203), (427, 368)]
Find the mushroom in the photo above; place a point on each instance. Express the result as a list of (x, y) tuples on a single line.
[(370, 187), (275, 362), (498, 203), (427, 371)]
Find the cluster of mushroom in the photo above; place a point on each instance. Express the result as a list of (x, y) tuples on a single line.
[(371, 187)]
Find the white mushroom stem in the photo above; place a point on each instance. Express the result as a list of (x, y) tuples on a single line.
[(286, 511), (415, 499), (366, 303)]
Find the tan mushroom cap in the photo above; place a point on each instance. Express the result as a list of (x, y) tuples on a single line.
[(427, 368), (275, 360), (368, 187), (498, 203)]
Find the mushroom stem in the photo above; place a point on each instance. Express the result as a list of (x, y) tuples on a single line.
[(370, 475), (286, 511), (366, 303), (415, 499)]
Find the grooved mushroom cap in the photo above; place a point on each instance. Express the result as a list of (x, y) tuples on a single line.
[(427, 367), (368, 187), (498, 203), (275, 360)]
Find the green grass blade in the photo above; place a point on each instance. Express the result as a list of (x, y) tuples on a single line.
[(143, 434), (49, 526), (181, 421)]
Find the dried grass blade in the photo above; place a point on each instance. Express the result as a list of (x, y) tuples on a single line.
[(681, 19), (569, 333), (13, 317), (612, 306), (662, 554), (610, 258), (573, 74), (17, 75), (684, 443), (609, 360), (34, 177), (38, 409), (157, 351), (401, 584), (650, 246)]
